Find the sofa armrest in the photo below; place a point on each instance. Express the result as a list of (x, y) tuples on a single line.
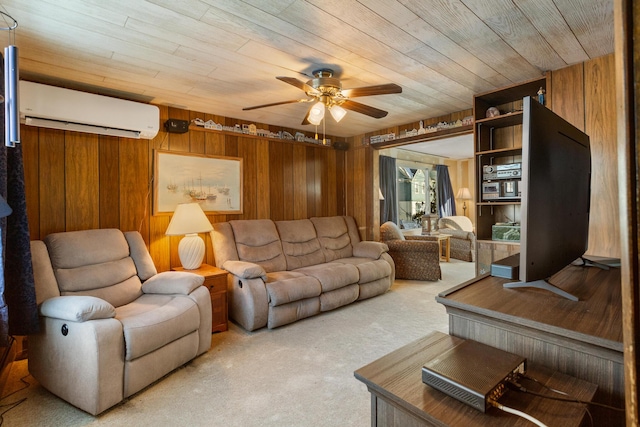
[(459, 234), (76, 308), (173, 282), (419, 246), (367, 249), (245, 270)]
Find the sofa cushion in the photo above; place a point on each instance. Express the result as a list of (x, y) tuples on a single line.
[(300, 243), (258, 241), (154, 320), (94, 263), (73, 249), (332, 275), (334, 237), (292, 289), (339, 297), (368, 270)]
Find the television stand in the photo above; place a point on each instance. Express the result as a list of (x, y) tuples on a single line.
[(541, 284), (604, 264)]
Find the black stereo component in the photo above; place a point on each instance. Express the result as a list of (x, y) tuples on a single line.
[(511, 170), (501, 190)]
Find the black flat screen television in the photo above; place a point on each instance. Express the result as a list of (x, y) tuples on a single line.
[(556, 192)]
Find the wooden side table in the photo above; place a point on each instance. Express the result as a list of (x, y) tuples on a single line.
[(215, 279), (442, 239)]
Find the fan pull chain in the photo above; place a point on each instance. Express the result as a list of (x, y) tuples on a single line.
[(324, 133)]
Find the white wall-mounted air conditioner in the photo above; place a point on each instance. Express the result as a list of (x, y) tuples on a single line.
[(66, 109)]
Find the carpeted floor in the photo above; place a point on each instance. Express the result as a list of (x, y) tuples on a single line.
[(297, 375)]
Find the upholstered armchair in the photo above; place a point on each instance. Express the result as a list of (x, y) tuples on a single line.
[(415, 258), (110, 325), (463, 239)]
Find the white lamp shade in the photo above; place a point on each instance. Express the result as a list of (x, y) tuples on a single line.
[(316, 113), (463, 194), (337, 112), (189, 219)]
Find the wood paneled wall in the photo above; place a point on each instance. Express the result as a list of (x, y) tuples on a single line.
[(584, 94), (79, 181)]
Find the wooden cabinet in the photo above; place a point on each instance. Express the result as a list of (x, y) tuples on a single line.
[(215, 279), (498, 149)]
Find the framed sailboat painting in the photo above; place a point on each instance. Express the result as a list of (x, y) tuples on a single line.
[(212, 181)]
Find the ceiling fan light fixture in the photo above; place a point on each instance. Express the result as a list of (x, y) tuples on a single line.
[(338, 113), (316, 113)]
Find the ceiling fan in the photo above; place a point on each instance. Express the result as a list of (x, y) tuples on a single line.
[(327, 94)]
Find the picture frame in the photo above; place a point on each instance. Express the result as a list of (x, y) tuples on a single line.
[(215, 182)]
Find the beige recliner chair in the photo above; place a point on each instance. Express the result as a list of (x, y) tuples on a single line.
[(463, 239), (110, 324)]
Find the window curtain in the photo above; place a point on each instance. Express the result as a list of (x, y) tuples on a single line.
[(388, 206), (18, 308), (446, 198)]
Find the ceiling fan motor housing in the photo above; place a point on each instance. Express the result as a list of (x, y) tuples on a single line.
[(325, 83)]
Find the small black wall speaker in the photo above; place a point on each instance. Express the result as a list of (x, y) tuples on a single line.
[(176, 126), (341, 145)]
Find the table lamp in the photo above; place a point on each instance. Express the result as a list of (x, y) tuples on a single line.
[(189, 220), (464, 194)]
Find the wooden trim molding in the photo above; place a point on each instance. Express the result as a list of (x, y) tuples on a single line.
[(627, 63)]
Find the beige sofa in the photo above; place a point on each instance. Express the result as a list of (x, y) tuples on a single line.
[(110, 325), (284, 271)]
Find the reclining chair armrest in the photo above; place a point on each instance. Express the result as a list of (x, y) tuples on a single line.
[(75, 308), (424, 246), (368, 249), (173, 282), (245, 270)]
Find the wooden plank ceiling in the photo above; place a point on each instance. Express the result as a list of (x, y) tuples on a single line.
[(218, 56)]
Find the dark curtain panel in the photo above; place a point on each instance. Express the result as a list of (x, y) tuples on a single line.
[(446, 198), (18, 308), (388, 206)]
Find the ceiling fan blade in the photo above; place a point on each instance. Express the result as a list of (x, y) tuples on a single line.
[(275, 103), (297, 83), (364, 109), (372, 90)]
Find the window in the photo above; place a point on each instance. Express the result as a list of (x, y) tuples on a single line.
[(415, 197)]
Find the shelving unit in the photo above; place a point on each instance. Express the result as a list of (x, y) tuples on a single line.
[(498, 141), (250, 136)]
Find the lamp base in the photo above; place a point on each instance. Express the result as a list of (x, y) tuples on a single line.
[(191, 251)]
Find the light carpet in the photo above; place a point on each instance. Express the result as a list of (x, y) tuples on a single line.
[(297, 375)]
